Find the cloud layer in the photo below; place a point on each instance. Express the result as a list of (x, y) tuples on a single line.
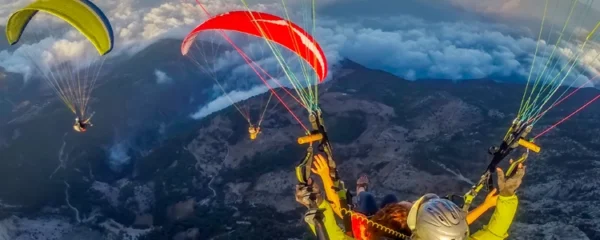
[(413, 49), (408, 46), (457, 50)]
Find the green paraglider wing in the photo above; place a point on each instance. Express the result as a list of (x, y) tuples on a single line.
[(81, 14)]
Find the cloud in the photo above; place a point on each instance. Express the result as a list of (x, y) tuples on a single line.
[(226, 100), (417, 49), (413, 48), (162, 77), (422, 50), (408, 46), (118, 155), (557, 11), (136, 25), (8, 6), (497, 6)]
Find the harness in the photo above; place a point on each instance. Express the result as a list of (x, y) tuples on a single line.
[(318, 137)]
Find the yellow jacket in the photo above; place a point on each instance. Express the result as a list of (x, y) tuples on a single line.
[(497, 228), (333, 230)]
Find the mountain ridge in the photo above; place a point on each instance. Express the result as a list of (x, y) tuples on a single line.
[(204, 178)]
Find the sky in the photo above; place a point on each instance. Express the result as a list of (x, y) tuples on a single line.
[(519, 8), (414, 39)]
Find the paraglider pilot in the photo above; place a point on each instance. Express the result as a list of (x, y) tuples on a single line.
[(253, 131), (81, 125)]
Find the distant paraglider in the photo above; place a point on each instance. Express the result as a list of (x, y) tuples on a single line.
[(282, 36), (268, 27), (72, 78), (260, 34), (253, 131), (81, 125)]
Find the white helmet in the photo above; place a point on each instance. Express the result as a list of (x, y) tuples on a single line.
[(435, 218)]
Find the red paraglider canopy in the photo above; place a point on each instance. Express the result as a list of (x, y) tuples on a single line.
[(268, 26)]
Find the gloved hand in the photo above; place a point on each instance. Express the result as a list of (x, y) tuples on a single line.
[(320, 167), (305, 191), (508, 186)]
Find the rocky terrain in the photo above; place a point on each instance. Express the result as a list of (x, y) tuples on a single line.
[(206, 180)]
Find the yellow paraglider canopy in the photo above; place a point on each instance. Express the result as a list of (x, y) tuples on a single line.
[(81, 14)]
